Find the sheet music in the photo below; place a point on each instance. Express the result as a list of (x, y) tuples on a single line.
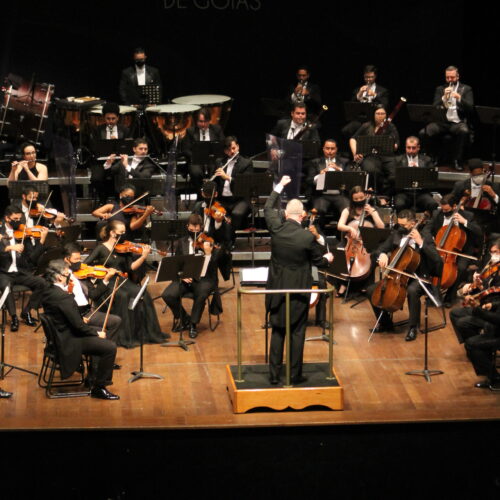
[(320, 183), (205, 266)]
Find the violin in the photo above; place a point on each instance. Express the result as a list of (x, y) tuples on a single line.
[(479, 298), (28, 232), (46, 213), (450, 240), (139, 210), (97, 272), (216, 211), (489, 271), (390, 292), (137, 248), (202, 239)]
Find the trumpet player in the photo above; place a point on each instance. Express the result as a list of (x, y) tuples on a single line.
[(305, 92), (457, 101)]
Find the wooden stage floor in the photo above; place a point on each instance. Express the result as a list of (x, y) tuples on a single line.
[(193, 393)]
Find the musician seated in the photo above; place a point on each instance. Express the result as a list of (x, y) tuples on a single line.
[(235, 164), (370, 92), (465, 323), (414, 158), (480, 188), (139, 166), (458, 101), (18, 258), (325, 201), (74, 337), (304, 91), (349, 225), (201, 288), (28, 169), (295, 127), (134, 218), (42, 215), (380, 166), (473, 235), (430, 264), (100, 172), (203, 131)]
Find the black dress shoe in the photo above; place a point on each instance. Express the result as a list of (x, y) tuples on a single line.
[(193, 332), (299, 379), (5, 394), (323, 324), (485, 384), (384, 327), (411, 335), (28, 319), (116, 366), (103, 393), (274, 380), (14, 324), (458, 166)]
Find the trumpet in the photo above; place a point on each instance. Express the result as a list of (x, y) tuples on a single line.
[(447, 98)]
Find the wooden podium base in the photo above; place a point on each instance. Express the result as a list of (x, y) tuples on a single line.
[(256, 391)]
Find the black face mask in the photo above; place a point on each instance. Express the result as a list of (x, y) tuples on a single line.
[(140, 62), (126, 199), (359, 203), (119, 237), (193, 234), (15, 224), (402, 230), (75, 266), (448, 214)]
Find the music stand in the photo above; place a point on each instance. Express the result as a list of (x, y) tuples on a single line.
[(177, 268), (415, 179), (3, 364), (373, 236), (141, 373), (425, 113), (205, 152), (155, 186), (149, 94), (168, 230), (102, 148), (379, 145), (310, 149), (250, 187), (357, 111), (344, 181)]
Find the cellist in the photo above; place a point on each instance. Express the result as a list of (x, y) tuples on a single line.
[(406, 234), (464, 220)]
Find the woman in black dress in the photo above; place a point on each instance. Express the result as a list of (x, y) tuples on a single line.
[(142, 322), (28, 169)]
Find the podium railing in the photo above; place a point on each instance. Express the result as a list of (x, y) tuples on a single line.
[(287, 293)]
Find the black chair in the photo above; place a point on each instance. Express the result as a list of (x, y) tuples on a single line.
[(50, 365)]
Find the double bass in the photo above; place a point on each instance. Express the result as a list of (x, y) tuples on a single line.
[(390, 292)]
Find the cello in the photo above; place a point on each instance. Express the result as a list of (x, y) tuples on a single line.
[(481, 202), (390, 292)]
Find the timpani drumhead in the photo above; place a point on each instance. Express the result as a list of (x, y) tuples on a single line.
[(97, 110), (202, 99), (172, 108)]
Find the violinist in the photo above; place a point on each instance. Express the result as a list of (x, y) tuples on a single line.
[(464, 220), (141, 322), (134, 220), (350, 218), (201, 288), (330, 162), (381, 166), (465, 322), (28, 169), (89, 290), (478, 186), (430, 264), (227, 168), (29, 203), (18, 259)]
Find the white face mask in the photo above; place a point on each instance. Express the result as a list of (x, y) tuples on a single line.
[(478, 179), (495, 257)]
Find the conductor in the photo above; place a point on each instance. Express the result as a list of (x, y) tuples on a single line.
[(293, 251)]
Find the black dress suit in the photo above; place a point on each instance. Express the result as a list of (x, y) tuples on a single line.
[(74, 337), (26, 263), (293, 251), (129, 93), (424, 199), (144, 170), (196, 171), (282, 128), (201, 288), (312, 100), (323, 202), (461, 130), (430, 265)]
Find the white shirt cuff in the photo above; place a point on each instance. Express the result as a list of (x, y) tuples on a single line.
[(278, 188)]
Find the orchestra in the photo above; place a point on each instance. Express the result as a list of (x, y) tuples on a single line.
[(448, 241)]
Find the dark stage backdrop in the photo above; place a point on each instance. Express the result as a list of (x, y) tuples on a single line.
[(249, 49)]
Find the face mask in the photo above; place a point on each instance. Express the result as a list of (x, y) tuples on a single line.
[(448, 214), (193, 234), (126, 199), (478, 179), (15, 224), (140, 62), (119, 237), (359, 203), (402, 230), (75, 266), (495, 257)]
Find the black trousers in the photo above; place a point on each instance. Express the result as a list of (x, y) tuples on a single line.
[(105, 350), (112, 326), (481, 351), (465, 324), (237, 208), (175, 291), (460, 131), (381, 169), (424, 201), (326, 203), (35, 283)]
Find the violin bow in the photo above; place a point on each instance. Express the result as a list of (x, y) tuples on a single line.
[(106, 300), (129, 204), (43, 211), (24, 230)]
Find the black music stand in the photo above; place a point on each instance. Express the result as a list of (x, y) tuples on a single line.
[(156, 187), (168, 230), (378, 145), (430, 297), (310, 149), (344, 181), (358, 111), (177, 268), (16, 188), (102, 148), (251, 187), (141, 373), (415, 179), (373, 236), (3, 364), (149, 94), (204, 153), (425, 113)]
